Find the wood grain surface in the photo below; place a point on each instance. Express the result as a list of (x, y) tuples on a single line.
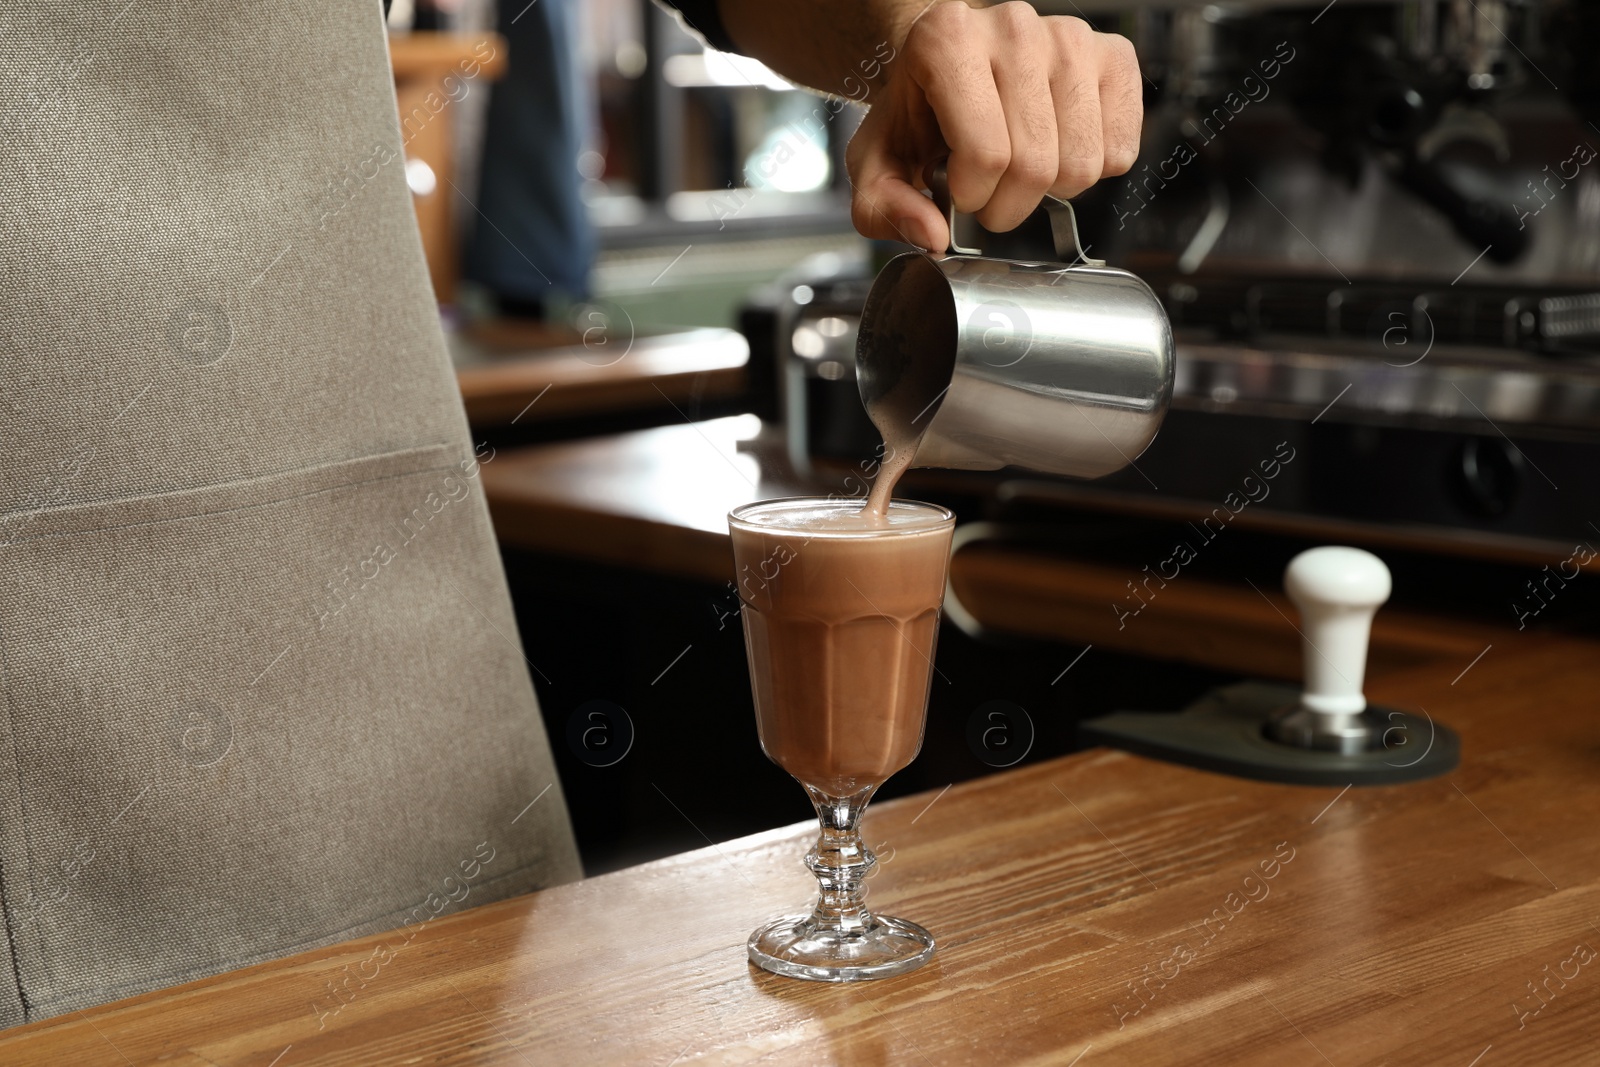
[(1096, 909)]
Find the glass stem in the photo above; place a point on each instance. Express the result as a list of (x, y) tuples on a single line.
[(841, 862)]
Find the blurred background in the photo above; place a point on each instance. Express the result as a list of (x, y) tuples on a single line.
[(1374, 225)]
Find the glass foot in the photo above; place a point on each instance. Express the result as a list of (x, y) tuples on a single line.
[(797, 947)]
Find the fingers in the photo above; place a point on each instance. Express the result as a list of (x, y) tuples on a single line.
[(1075, 92), (884, 201), (1121, 104), (1024, 106), (952, 69), (1027, 105), (1022, 79)]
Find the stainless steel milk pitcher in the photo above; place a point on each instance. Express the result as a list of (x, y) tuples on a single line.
[(1063, 367)]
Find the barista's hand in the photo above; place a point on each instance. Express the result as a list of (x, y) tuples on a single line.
[(1024, 105)]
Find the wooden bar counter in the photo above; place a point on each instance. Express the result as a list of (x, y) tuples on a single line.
[(1100, 908), (1097, 909)]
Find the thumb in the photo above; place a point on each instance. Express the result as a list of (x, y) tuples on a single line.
[(884, 201)]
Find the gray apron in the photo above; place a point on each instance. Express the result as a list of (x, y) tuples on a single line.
[(260, 682)]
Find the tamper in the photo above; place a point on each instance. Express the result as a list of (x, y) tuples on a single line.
[(1322, 734), (1337, 590)]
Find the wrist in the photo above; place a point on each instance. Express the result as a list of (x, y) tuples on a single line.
[(907, 13), (900, 15)]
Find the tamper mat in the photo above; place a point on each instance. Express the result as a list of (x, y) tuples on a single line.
[(1225, 732)]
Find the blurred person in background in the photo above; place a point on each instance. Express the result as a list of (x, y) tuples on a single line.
[(539, 119)]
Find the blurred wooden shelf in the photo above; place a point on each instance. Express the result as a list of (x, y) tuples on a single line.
[(431, 72), (425, 54), (563, 382), (656, 499)]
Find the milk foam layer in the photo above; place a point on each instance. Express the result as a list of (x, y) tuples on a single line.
[(830, 518)]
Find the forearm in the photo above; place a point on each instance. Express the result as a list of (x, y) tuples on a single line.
[(839, 47)]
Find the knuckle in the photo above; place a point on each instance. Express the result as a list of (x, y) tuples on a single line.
[(1070, 31), (989, 160), (1035, 170), (1017, 16), (938, 19), (1000, 220), (930, 53), (1122, 140), (1122, 62), (1120, 158), (1076, 173), (862, 217)]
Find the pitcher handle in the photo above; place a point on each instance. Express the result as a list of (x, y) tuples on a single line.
[(939, 186), (1063, 221)]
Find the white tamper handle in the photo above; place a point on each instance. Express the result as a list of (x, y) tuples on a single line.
[(1337, 590)]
